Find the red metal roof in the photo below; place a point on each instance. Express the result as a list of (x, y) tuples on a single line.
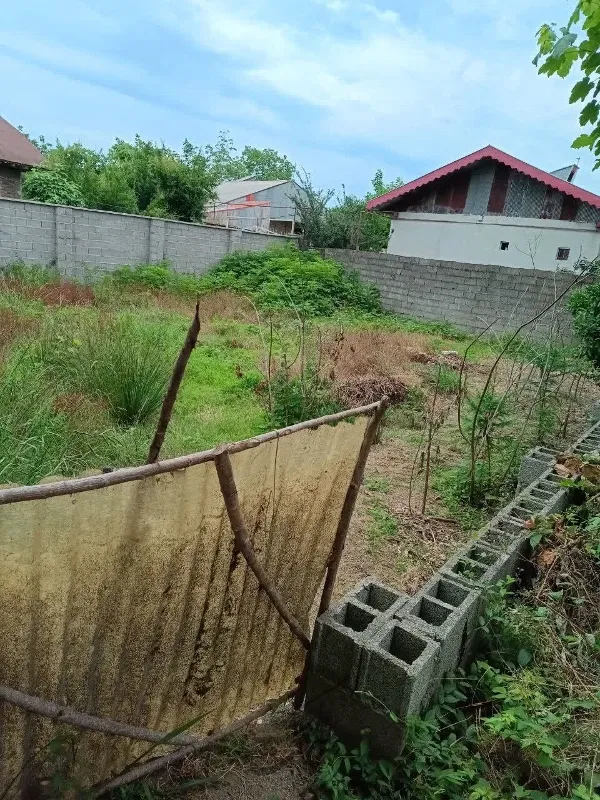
[(380, 203), (15, 148)]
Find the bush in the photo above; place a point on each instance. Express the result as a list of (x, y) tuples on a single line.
[(584, 305), (285, 277), (281, 278), (295, 398), (51, 186), (123, 362)]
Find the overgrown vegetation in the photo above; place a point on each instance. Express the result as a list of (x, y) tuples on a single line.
[(524, 722)]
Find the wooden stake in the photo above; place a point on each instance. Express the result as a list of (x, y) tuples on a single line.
[(171, 395), (148, 767), (69, 716), (244, 545), (339, 541)]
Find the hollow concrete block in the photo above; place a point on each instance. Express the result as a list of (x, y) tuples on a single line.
[(534, 463), (341, 632), (448, 623), (353, 718), (397, 668), (477, 565)]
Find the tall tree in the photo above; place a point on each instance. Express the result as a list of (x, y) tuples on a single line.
[(577, 44), (347, 224), (264, 165)]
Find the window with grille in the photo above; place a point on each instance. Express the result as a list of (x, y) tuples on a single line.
[(562, 254)]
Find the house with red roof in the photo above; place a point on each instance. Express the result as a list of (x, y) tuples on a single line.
[(17, 154), (492, 208)]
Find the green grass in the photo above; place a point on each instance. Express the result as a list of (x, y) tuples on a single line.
[(381, 524), (377, 483)]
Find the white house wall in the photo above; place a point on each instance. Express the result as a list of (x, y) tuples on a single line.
[(474, 239)]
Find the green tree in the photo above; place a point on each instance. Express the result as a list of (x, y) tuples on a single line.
[(584, 305), (346, 225), (577, 43), (51, 186), (264, 165)]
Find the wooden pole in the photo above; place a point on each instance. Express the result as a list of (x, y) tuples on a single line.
[(69, 716), (148, 767), (244, 545), (171, 395), (339, 541), (19, 494)]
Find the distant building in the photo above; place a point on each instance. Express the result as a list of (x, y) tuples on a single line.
[(492, 208), (255, 205), (17, 154)]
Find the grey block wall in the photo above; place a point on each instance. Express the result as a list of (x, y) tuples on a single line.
[(470, 296), (81, 241)]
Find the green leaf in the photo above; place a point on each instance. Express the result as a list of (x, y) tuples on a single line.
[(524, 657), (535, 539), (581, 90), (589, 113)]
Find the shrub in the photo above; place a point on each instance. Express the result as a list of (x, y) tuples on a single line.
[(285, 277), (278, 279), (295, 398), (51, 186), (123, 362), (584, 305)]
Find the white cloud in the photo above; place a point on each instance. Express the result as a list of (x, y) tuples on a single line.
[(385, 83)]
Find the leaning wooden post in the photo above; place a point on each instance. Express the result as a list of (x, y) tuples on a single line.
[(339, 541), (244, 545), (171, 395)]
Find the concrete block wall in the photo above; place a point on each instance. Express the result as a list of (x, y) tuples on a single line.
[(81, 242), (378, 657), (470, 296)]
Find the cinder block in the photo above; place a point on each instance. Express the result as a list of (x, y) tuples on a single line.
[(341, 632), (477, 565), (397, 667), (350, 715), (449, 624)]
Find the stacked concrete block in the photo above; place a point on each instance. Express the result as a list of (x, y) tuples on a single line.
[(446, 612), (342, 635), (379, 657), (477, 565), (589, 442), (398, 667), (535, 463)]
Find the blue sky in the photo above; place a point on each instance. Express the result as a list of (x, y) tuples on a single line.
[(343, 87)]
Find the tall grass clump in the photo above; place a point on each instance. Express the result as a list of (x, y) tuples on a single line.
[(34, 440), (124, 362)]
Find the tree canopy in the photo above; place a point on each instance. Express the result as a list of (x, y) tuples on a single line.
[(147, 178), (347, 224), (144, 177), (577, 44)]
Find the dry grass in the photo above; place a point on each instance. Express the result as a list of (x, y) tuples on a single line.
[(351, 354), (12, 326), (55, 293), (220, 304)]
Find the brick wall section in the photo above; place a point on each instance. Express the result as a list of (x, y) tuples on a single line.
[(10, 181), (470, 296), (82, 242)]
